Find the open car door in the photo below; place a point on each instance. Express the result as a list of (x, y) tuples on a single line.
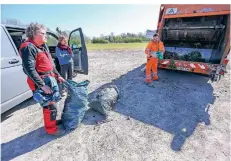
[(77, 43)]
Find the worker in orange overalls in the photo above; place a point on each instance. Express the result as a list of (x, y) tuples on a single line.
[(154, 48)]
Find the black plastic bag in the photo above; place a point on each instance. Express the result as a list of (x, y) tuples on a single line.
[(75, 104)]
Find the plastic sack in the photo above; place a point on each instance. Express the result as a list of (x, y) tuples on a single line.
[(105, 100), (75, 104), (160, 55)]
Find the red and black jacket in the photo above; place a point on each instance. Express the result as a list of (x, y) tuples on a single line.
[(37, 62)]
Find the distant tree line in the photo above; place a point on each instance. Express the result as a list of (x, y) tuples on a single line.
[(75, 38), (122, 38)]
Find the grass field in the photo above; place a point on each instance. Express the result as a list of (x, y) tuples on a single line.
[(116, 46)]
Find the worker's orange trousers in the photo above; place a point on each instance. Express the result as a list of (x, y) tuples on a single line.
[(152, 64)]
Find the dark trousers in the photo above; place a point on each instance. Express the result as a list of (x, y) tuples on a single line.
[(67, 71)]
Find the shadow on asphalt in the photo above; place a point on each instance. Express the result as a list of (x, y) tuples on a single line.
[(176, 104)]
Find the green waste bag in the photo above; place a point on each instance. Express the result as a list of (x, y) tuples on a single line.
[(160, 55)]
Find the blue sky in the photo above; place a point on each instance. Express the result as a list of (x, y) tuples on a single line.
[(94, 19)]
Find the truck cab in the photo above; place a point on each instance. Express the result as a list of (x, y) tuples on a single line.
[(14, 87)]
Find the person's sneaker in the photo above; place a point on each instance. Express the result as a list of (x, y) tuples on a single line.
[(155, 78), (148, 83)]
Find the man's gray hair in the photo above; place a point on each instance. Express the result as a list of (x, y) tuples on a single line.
[(33, 29)]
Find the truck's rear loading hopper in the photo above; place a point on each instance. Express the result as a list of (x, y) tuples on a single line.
[(197, 39)]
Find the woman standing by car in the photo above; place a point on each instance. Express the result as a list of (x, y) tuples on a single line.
[(65, 57)]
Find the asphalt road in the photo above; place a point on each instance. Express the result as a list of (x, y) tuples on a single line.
[(183, 117)]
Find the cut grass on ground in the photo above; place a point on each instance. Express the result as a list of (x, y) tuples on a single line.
[(115, 46)]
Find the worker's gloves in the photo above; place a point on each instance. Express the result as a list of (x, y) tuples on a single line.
[(149, 56)]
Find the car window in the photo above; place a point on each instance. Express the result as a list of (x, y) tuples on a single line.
[(7, 49), (75, 39)]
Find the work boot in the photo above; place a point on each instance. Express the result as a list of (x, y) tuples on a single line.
[(148, 78), (155, 77), (148, 81)]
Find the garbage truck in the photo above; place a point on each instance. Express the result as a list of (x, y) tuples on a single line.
[(196, 38)]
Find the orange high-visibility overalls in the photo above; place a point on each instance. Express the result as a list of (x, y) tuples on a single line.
[(152, 59)]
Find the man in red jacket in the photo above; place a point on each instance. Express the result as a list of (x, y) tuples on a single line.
[(37, 63)]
